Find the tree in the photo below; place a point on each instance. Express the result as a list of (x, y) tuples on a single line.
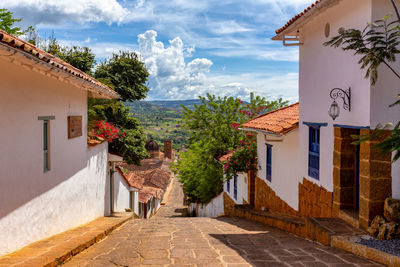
[(212, 134), (7, 22), (80, 57), (127, 73), (378, 44)]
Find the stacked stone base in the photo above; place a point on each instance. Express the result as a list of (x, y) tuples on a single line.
[(304, 227)]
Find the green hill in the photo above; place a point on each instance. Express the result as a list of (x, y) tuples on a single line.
[(161, 120)]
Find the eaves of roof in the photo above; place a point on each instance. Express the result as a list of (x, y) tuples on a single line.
[(34, 53), (301, 18)]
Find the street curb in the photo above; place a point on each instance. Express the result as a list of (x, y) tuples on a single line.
[(66, 244), (345, 243), (67, 256), (166, 194)]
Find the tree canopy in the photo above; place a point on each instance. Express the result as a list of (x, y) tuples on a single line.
[(7, 22), (80, 57), (212, 132), (128, 73)]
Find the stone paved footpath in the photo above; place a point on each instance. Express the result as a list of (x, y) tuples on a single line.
[(168, 239)]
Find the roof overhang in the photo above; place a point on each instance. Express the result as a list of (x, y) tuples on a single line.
[(50, 69), (261, 131), (268, 133), (293, 27), (114, 158)]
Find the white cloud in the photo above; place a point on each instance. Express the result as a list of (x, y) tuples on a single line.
[(227, 27), (170, 76), (270, 85), (56, 11)]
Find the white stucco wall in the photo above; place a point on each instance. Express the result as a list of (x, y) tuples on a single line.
[(214, 208), (385, 92), (285, 175), (324, 68), (121, 193), (33, 204), (136, 203), (242, 189)]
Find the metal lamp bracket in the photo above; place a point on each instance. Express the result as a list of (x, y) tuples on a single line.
[(345, 95)]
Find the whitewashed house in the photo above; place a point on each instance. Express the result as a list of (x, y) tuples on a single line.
[(51, 180), (315, 170), (151, 180), (277, 156), (124, 190)]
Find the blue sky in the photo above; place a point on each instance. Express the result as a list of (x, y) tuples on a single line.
[(190, 47)]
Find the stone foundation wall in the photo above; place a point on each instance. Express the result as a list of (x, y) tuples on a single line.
[(375, 179), (229, 205), (314, 200), (265, 198)]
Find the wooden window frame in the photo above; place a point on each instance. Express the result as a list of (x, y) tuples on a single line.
[(46, 142), (235, 186), (268, 163), (314, 153)]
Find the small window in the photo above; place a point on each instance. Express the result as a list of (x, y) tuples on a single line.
[(46, 148), (235, 186), (269, 163), (228, 186), (313, 152)]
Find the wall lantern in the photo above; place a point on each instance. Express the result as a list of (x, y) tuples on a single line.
[(345, 95)]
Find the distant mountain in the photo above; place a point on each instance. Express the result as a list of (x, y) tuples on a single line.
[(162, 121), (175, 103)]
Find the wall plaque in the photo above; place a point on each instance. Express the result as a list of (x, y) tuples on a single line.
[(74, 126)]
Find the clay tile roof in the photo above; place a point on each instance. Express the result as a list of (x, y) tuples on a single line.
[(152, 178), (157, 178), (97, 87), (226, 156), (280, 121), (147, 192), (131, 178), (295, 18)]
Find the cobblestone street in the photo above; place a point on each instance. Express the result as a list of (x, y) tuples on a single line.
[(168, 239)]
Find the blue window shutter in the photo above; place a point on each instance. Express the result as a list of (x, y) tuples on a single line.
[(313, 152), (228, 186), (235, 186), (269, 163)]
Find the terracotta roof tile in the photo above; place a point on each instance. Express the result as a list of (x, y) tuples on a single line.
[(147, 192), (295, 18), (91, 141), (26, 47), (280, 121), (152, 178), (226, 156)]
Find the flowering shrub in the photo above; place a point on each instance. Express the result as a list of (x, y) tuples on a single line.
[(106, 131), (243, 156)]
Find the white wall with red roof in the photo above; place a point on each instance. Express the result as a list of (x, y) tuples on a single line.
[(35, 204), (285, 165), (323, 68), (122, 195)]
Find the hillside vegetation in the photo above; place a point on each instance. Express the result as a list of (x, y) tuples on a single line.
[(161, 119)]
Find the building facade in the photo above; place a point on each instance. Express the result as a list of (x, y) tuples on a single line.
[(50, 178), (316, 170)]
